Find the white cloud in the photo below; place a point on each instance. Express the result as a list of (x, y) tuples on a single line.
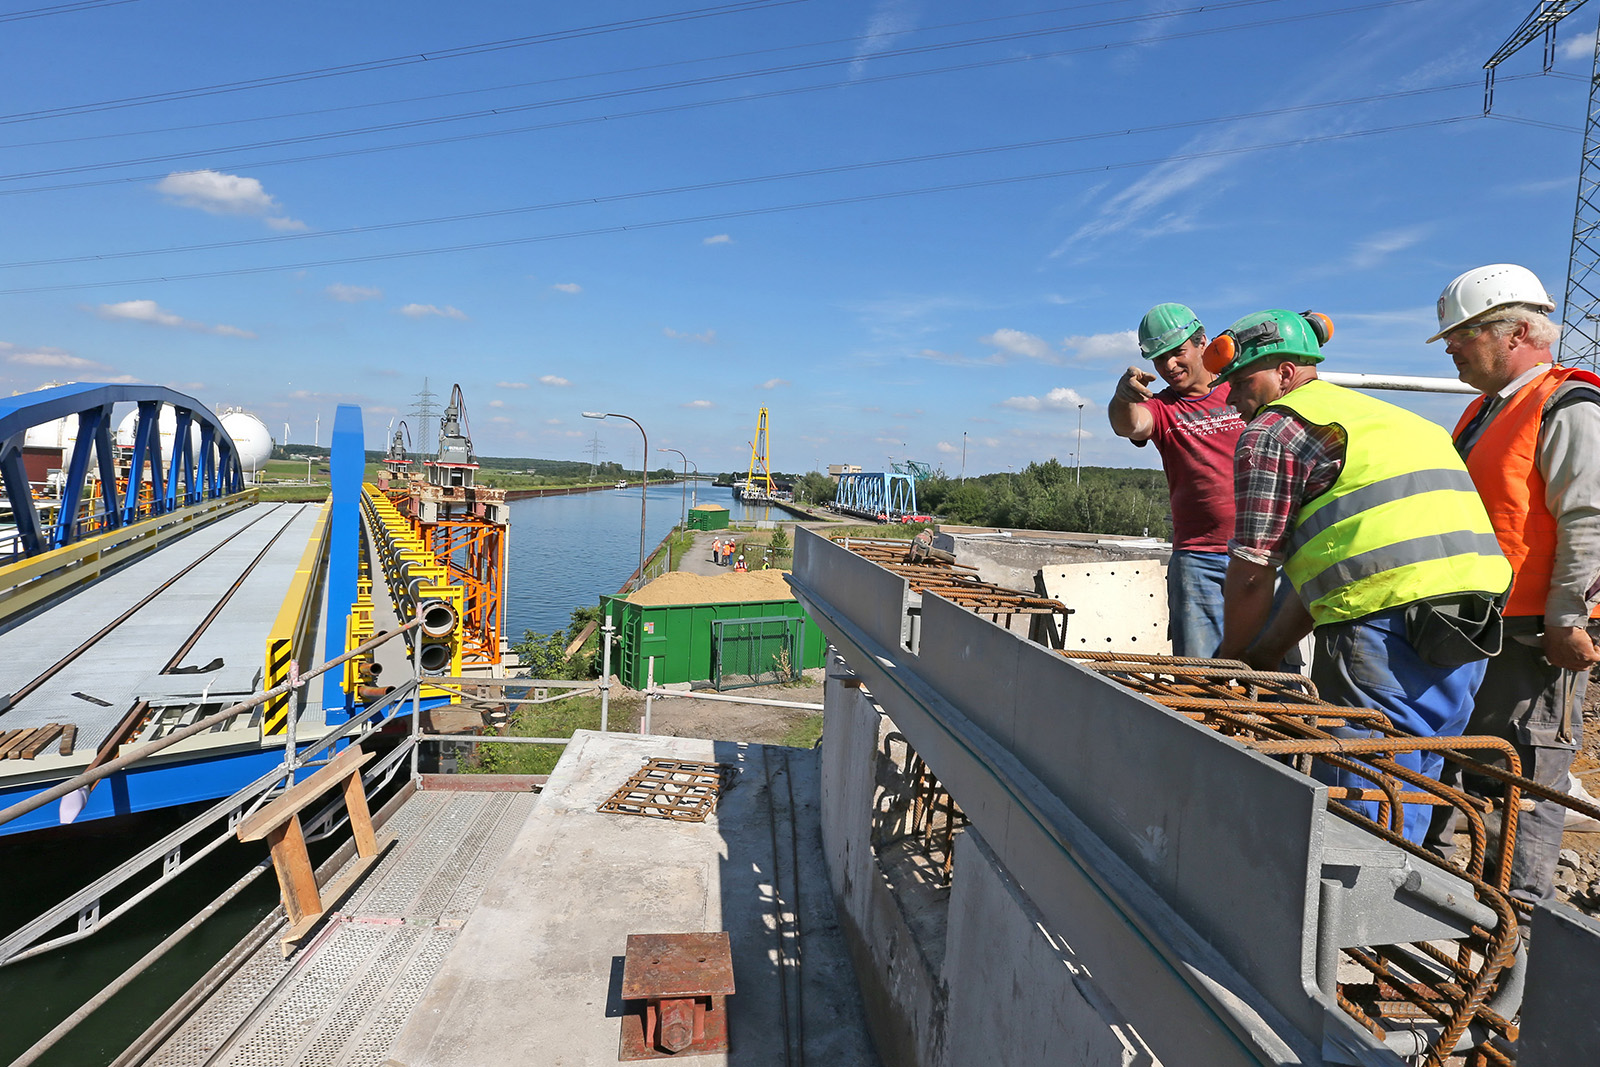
[(216, 193), (422, 311), (497, 403), (947, 448), (510, 385), (1580, 46), (45, 357), (148, 311), (1375, 249), (890, 20), (552, 422), (502, 418), (1057, 399), (353, 294), (567, 287), (1021, 344), (717, 239), (553, 380), (700, 404), (1102, 346), (699, 338), (773, 383)]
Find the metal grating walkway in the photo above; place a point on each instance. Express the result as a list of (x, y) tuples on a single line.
[(342, 999)]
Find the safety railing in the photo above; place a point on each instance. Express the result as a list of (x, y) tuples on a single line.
[(29, 580)]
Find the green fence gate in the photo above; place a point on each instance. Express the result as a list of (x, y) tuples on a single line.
[(760, 651)]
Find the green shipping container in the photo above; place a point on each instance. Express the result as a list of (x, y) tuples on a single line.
[(678, 637), (708, 517)]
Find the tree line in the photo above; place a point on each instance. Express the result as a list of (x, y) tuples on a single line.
[(1041, 496)]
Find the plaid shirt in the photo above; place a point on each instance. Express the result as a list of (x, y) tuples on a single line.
[(1282, 461)]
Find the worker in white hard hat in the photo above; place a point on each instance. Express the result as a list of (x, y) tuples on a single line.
[(1194, 429), (1531, 443)]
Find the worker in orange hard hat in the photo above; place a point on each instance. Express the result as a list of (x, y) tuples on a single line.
[(1532, 446)]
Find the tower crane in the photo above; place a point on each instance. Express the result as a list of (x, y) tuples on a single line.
[(1580, 309)]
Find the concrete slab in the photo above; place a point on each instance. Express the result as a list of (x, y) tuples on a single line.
[(535, 976)]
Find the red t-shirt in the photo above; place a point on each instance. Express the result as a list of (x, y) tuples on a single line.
[(1196, 437)]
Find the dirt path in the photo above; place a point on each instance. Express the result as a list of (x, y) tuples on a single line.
[(719, 720)]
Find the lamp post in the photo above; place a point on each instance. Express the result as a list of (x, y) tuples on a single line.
[(963, 457), (1080, 444), (644, 473), (694, 487), (683, 504)]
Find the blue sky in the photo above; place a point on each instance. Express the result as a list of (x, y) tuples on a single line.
[(891, 222)]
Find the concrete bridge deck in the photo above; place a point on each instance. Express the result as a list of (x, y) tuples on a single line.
[(493, 931)]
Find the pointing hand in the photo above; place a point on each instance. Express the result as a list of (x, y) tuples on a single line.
[(1131, 387)]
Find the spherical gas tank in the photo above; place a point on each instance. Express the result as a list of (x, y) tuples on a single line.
[(251, 438), (57, 433), (166, 427)]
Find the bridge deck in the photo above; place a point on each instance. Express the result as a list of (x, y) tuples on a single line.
[(493, 931), (243, 561)]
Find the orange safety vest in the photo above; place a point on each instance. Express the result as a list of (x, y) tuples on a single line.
[(1502, 467)]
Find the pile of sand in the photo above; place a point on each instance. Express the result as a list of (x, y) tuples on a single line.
[(681, 587)]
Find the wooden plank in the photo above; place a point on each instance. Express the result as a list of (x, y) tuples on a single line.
[(334, 893), (298, 796), (42, 737), (69, 737), (297, 881), (15, 741), (355, 802)]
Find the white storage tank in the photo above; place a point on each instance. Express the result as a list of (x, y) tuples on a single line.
[(251, 438), (166, 427)]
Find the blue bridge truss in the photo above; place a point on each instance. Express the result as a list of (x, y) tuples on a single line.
[(148, 489), (877, 495)]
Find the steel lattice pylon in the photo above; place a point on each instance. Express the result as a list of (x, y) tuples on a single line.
[(1580, 310)]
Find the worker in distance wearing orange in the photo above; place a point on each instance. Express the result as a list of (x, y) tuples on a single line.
[(1532, 445)]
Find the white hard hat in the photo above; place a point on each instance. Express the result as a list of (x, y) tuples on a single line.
[(1483, 288)]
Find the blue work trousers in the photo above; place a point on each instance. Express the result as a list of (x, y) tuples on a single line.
[(1369, 663), (1194, 601)]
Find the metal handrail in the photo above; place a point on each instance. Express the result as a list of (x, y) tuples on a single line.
[(23, 942)]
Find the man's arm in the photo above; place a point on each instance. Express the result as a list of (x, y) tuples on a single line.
[(1246, 605), (1129, 417), (1569, 459)]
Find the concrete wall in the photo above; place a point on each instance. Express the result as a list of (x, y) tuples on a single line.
[(1014, 559), (1002, 987)]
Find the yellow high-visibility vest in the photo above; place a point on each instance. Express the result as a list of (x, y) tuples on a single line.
[(1403, 521)]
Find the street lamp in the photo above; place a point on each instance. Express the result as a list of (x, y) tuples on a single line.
[(963, 457), (683, 504), (644, 484), (1080, 444), (694, 487)]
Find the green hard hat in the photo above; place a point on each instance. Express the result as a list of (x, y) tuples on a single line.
[(1165, 327), (1268, 334)]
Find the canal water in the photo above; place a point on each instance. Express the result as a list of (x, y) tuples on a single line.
[(566, 551)]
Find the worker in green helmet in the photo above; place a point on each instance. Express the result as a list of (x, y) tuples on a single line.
[(1372, 516), (1194, 429)]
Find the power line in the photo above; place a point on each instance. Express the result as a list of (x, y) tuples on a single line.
[(739, 98), (60, 9), (429, 97), (842, 168), (753, 212), (614, 94), (271, 80)]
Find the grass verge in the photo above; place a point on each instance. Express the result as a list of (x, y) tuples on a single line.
[(544, 720)]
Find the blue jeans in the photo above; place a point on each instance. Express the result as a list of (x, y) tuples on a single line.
[(1194, 601), (1369, 663)]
